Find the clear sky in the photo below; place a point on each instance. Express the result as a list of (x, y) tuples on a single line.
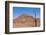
[(17, 11)]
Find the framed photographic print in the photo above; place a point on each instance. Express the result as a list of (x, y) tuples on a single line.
[(24, 17)]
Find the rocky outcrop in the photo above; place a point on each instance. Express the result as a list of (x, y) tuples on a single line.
[(26, 21)]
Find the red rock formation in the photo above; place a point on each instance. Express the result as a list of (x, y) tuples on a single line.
[(25, 21)]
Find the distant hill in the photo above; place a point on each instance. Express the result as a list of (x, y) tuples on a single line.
[(26, 21)]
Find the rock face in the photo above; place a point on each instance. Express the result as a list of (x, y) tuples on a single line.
[(25, 21)]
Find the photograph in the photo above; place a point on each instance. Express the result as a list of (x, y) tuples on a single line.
[(24, 17)]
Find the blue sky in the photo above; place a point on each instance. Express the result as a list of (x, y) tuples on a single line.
[(17, 11)]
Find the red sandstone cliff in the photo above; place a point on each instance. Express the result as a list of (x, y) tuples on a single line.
[(26, 21)]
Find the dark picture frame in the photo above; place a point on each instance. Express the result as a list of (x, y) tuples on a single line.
[(7, 16)]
